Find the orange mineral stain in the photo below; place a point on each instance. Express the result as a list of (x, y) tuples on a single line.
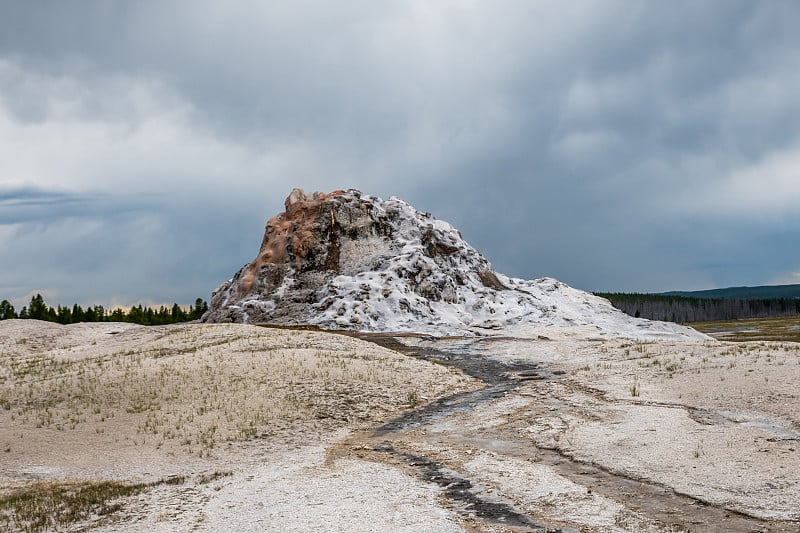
[(287, 234)]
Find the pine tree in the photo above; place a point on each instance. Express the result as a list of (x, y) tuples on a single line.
[(37, 308), (200, 308), (7, 310)]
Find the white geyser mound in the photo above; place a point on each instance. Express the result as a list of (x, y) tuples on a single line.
[(346, 260)]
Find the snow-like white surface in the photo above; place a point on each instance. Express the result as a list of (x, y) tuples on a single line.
[(402, 270), (299, 493), (444, 294)]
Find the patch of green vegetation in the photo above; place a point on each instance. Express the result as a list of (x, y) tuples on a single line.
[(752, 329), (45, 506)]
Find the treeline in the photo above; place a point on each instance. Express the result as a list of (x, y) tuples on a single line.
[(147, 316), (685, 309)]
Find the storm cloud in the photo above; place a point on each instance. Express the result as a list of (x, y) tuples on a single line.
[(613, 145)]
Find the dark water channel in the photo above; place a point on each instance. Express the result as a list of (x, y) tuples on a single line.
[(677, 511), (461, 491)]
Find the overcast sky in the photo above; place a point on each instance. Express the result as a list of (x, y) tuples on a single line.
[(627, 146)]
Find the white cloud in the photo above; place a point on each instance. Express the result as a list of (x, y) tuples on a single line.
[(765, 189), (789, 278), (127, 134)]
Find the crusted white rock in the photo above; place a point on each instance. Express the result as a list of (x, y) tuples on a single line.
[(347, 260)]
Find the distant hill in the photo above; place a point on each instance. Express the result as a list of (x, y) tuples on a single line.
[(764, 292)]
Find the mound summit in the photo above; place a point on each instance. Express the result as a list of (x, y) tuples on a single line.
[(347, 260)]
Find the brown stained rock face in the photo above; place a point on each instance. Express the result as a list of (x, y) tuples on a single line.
[(434, 247), (293, 235), (490, 279)]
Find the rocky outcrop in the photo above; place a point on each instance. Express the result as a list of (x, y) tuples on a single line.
[(350, 260), (320, 237)]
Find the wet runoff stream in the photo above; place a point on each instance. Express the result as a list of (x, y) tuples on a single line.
[(501, 378)]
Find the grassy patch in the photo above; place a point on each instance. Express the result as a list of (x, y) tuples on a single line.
[(56, 505), (753, 329)]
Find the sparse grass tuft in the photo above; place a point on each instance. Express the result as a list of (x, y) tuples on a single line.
[(635, 390), (412, 398), (204, 479), (698, 450)]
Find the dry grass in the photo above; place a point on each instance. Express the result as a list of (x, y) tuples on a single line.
[(753, 329), (84, 403), (200, 386), (44, 506)]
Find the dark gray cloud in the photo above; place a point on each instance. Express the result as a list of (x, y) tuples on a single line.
[(116, 254), (613, 145), (29, 204)]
